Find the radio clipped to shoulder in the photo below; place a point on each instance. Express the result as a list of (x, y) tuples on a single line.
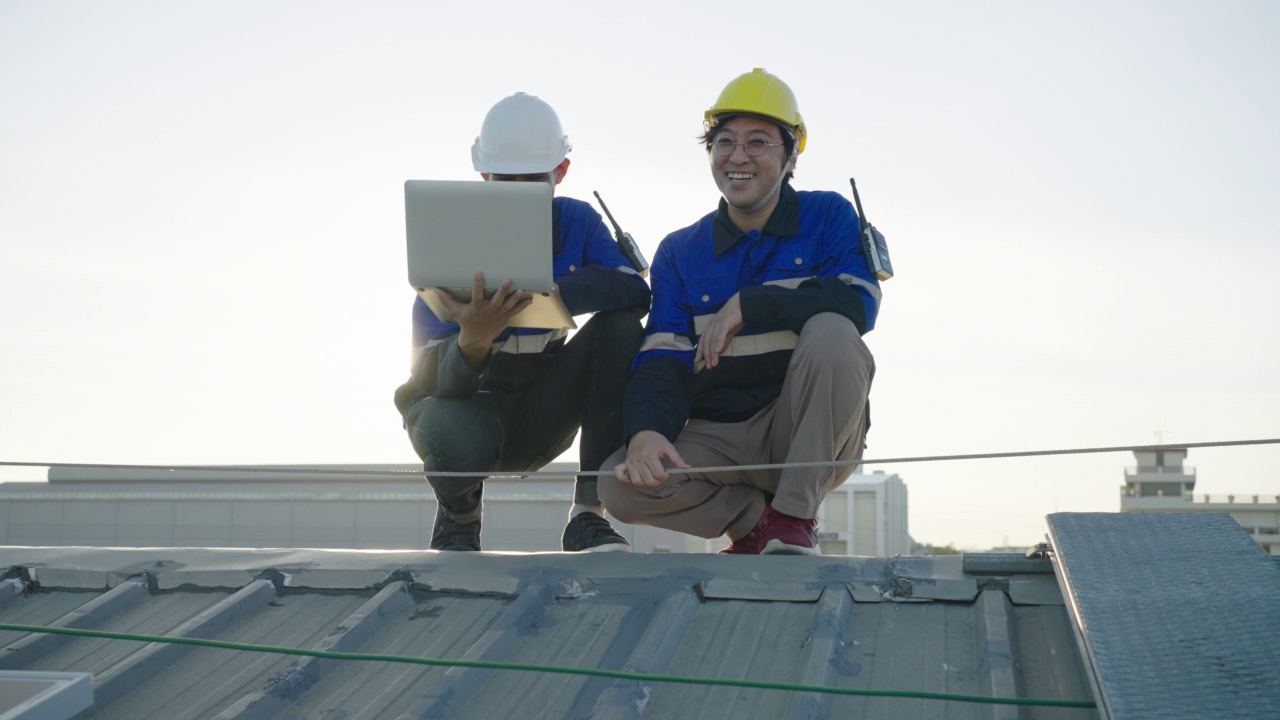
[(627, 243), (873, 242)]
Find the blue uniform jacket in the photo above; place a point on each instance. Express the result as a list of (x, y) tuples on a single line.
[(593, 276), (807, 260)]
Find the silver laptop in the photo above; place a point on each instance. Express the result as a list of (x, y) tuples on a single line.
[(456, 228)]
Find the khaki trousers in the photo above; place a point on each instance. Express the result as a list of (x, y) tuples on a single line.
[(820, 416)]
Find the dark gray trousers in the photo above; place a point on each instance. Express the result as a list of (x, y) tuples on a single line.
[(581, 386)]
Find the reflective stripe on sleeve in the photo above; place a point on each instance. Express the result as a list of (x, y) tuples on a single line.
[(864, 284), (792, 283), (742, 345), (666, 341), (748, 345), (845, 278)]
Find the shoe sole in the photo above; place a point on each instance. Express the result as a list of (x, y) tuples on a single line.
[(777, 547), (607, 547)]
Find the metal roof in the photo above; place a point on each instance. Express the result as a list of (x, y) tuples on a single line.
[(914, 624), (1193, 631), (991, 625)]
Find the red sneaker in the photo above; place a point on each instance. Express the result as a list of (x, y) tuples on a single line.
[(748, 544), (785, 535)]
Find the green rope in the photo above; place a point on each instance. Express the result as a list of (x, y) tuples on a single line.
[(614, 674)]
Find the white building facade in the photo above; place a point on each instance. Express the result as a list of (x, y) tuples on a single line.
[(867, 515), (368, 507), (1162, 483)]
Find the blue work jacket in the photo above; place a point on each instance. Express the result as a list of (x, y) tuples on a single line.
[(807, 260)]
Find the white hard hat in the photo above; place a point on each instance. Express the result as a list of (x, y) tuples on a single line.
[(521, 135)]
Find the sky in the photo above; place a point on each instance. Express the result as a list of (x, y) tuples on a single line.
[(202, 254)]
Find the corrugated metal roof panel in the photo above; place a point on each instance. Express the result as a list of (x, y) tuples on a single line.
[(910, 624)]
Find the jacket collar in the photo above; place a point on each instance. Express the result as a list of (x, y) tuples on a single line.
[(784, 221)]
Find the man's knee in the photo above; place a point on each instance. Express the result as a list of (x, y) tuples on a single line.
[(618, 498), (620, 329), (833, 338), (454, 435), (829, 328)]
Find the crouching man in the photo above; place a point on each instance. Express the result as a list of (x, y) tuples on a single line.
[(483, 397), (753, 352)]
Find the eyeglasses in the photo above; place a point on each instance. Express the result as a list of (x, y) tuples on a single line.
[(755, 148)]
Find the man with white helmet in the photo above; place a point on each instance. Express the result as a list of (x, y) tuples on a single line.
[(753, 353), (483, 397)]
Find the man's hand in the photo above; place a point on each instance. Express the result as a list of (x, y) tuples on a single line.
[(482, 320), (723, 326), (645, 453)]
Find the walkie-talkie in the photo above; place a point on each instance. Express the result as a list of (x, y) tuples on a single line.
[(873, 243), (628, 244)]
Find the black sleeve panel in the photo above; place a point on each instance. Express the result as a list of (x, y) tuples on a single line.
[(595, 288), (791, 308), (658, 398)]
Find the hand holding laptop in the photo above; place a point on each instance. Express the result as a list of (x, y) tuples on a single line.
[(455, 227), (482, 319)]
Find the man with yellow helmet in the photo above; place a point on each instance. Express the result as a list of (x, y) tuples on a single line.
[(753, 352)]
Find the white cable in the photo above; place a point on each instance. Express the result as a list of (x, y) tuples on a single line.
[(674, 471)]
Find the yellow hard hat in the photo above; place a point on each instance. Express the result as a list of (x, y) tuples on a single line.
[(760, 93)]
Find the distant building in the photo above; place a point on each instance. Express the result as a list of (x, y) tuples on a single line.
[(365, 507), (1161, 483), (867, 515), (360, 507)]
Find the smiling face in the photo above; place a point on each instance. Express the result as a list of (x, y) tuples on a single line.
[(750, 184)]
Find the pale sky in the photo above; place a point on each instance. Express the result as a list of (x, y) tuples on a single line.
[(202, 228)]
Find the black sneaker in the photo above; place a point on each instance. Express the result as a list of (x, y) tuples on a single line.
[(451, 535), (588, 532)]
